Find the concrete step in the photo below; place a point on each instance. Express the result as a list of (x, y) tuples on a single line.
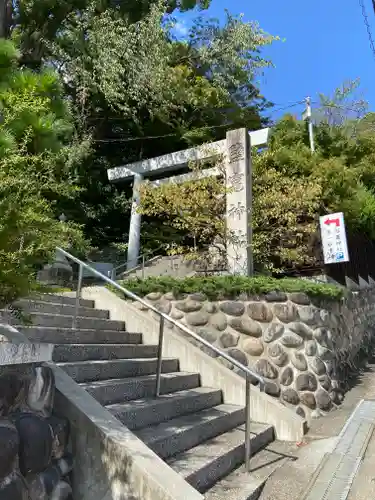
[(55, 335), (67, 353), (243, 485), (205, 464), (90, 371), (144, 412), (182, 433), (62, 299), (61, 321), (40, 306), (127, 389)]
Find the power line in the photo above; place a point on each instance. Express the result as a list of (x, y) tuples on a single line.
[(367, 24)]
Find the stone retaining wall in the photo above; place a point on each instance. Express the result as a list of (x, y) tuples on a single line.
[(298, 344)]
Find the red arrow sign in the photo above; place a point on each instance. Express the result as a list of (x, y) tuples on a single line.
[(328, 222)]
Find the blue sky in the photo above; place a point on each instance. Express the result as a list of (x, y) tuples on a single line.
[(326, 42)]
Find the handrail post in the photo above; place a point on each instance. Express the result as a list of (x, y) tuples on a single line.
[(143, 266), (78, 297), (160, 356), (247, 425)]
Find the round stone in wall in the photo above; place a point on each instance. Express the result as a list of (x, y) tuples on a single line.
[(232, 308), (198, 296), (276, 297), (299, 361), (287, 376), (188, 306), (318, 366), (260, 311), (325, 382), (308, 314), (175, 314), (266, 369), (310, 348), (229, 339), (246, 326), (210, 307), (323, 400), (278, 354), (308, 399), (41, 392), (238, 355), (219, 321), (300, 329), (324, 337), (208, 334), (154, 296), (199, 318), (169, 296), (273, 332), (36, 438), (163, 306), (13, 391), (325, 354), (286, 312), (306, 382), (272, 388), (14, 489), (253, 346), (300, 298), (290, 396), (9, 443), (290, 339), (301, 412)]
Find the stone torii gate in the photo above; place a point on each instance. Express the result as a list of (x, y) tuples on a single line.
[(238, 172)]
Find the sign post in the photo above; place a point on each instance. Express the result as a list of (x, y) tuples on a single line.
[(335, 247)]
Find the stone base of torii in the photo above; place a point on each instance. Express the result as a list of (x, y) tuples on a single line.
[(236, 150)]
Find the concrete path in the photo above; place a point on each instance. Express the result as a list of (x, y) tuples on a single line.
[(291, 481)]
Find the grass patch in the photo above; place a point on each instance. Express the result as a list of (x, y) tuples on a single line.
[(231, 287)]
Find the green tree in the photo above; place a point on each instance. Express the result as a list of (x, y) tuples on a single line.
[(35, 173)]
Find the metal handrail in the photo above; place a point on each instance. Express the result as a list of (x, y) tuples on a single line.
[(164, 317), (142, 264)]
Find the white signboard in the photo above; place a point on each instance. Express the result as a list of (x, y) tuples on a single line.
[(335, 247)]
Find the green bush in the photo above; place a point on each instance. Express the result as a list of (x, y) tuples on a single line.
[(223, 287)]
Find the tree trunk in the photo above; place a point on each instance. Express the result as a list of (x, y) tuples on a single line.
[(5, 18)]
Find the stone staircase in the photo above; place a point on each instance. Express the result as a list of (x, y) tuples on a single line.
[(189, 426), (175, 266)]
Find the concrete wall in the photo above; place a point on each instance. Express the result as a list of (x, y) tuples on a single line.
[(264, 408)]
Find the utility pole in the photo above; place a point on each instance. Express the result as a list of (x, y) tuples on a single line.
[(306, 115)]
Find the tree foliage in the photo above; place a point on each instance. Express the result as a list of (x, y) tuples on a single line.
[(35, 172)]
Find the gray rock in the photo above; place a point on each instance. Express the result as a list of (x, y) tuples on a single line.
[(259, 311), (300, 329), (246, 326), (308, 399), (238, 355), (323, 401), (308, 315), (325, 382), (299, 361), (199, 318), (175, 314), (232, 308), (290, 339), (163, 306), (285, 312), (9, 443), (169, 296), (287, 376), (272, 388), (210, 307), (290, 396), (301, 412), (278, 354), (219, 321), (198, 296), (273, 332), (300, 298), (41, 393), (310, 348), (306, 382), (229, 339), (318, 366), (154, 296), (207, 334), (253, 346), (325, 354), (324, 337), (188, 306), (266, 369), (276, 297)]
